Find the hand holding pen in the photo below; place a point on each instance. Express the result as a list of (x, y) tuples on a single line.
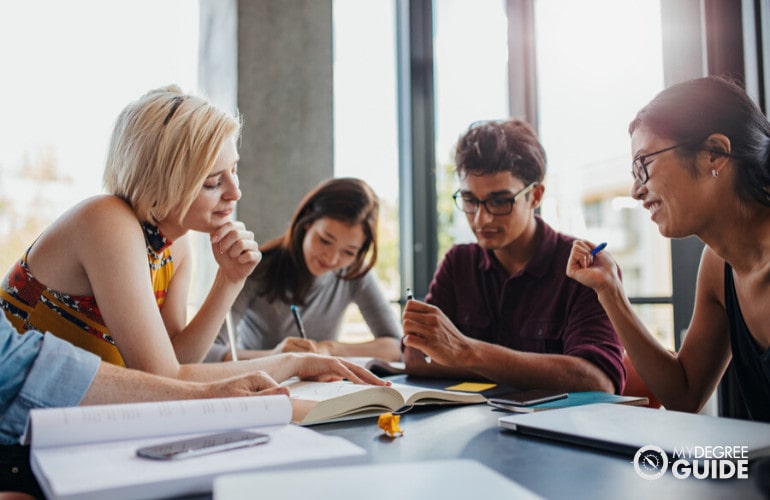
[(431, 333), (298, 321), (410, 296), (598, 248), (589, 266), (583, 253), (300, 343)]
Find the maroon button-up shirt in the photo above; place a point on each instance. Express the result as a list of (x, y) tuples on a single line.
[(539, 309)]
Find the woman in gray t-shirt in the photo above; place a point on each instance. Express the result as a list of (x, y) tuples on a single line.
[(321, 265)]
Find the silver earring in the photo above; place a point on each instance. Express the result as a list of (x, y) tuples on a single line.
[(714, 173)]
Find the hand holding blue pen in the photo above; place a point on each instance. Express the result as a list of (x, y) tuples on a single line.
[(298, 321), (598, 248)]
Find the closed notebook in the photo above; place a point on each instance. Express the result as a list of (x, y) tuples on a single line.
[(577, 399), (625, 429)]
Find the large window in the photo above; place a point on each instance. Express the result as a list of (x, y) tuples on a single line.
[(591, 83), (471, 82), (365, 128), (470, 85), (68, 69)]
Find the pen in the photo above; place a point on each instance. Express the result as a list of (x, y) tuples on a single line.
[(231, 336), (598, 248), (410, 296), (298, 321)]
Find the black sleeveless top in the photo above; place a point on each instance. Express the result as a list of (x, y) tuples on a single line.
[(751, 366)]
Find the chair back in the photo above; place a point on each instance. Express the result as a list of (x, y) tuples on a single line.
[(635, 386)]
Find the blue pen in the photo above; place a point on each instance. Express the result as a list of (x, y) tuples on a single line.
[(598, 248), (298, 321)]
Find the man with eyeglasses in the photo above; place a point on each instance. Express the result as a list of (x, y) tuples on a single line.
[(502, 308)]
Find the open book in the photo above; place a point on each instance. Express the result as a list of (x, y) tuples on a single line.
[(319, 402), (90, 451)]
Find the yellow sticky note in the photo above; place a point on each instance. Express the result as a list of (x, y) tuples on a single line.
[(470, 387)]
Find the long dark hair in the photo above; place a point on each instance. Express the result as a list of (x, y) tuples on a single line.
[(283, 274), (690, 111)]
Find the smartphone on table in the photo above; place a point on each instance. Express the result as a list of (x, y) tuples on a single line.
[(526, 398), (202, 445)]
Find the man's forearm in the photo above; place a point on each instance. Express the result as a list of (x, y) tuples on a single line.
[(114, 384)]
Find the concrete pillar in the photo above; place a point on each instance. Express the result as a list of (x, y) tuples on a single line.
[(270, 60), (275, 58), (285, 93)]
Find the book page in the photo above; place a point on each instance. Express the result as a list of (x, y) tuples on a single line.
[(94, 424), (321, 391), (421, 395), (315, 402)]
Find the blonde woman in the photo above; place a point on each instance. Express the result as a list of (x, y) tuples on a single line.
[(172, 168)]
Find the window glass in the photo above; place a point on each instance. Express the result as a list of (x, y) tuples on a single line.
[(471, 84), (598, 62), (366, 128), (68, 69)]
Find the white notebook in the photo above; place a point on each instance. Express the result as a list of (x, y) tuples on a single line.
[(625, 429), (447, 479), (89, 452)]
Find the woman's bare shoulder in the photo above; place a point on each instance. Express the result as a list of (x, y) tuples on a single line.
[(92, 217), (97, 222), (100, 215), (103, 206), (98, 230), (711, 279)]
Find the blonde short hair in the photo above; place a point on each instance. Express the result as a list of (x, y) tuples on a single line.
[(163, 147)]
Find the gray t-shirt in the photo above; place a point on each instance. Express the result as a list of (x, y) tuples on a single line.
[(261, 325)]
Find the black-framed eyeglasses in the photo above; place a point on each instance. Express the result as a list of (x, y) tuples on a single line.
[(497, 205), (639, 165)]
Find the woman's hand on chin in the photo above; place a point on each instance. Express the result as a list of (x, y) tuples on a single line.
[(235, 250)]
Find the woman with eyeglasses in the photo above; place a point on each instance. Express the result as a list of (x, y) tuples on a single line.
[(701, 167), (111, 274), (320, 265), (501, 308)]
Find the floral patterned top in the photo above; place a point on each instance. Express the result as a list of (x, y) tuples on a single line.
[(30, 305)]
